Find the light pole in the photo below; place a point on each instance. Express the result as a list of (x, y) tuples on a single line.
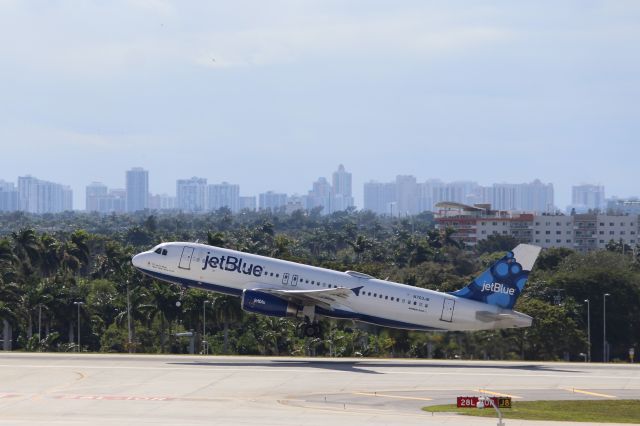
[(588, 328), (205, 349), (39, 321), (129, 318), (78, 305), (604, 327)]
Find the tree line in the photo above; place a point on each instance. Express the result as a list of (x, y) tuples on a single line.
[(70, 272)]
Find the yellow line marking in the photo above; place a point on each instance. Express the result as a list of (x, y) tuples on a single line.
[(603, 395), (497, 393), (392, 396)]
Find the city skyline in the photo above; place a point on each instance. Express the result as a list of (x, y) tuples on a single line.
[(505, 196), (254, 92)]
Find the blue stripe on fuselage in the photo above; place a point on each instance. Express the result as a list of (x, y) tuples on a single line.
[(336, 313), (191, 283)]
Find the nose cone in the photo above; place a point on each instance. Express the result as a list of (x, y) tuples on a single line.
[(138, 260)]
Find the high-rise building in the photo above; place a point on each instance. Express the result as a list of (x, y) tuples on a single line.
[(320, 196), (137, 189), (410, 197), (587, 197), (406, 195), (272, 201), (101, 199), (8, 197), (95, 192), (531, 197), (295, 203), (224, 195), (116, 202), (162, 202), (630, 206), (342, 193), (247, 203), (39, 196), (380, 197), (191, 194)]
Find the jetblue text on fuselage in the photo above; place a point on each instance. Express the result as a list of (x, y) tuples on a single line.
[(231, 264)]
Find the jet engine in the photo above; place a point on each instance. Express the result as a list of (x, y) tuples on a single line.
[(259, 302)]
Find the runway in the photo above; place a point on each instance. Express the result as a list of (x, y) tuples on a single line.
[(197, 390)]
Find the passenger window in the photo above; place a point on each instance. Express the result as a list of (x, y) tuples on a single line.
[(386, 297), (375, 295)]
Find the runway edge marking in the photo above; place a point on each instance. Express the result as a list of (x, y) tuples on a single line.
[(602, 395)]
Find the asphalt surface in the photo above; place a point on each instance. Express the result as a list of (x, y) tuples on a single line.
[(72, 389)]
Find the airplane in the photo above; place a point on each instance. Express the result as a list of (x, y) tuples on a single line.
[(281, 288)]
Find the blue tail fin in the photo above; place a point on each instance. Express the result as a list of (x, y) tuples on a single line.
[(503, 282)]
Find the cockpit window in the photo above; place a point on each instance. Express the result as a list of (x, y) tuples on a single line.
[(158, 250)]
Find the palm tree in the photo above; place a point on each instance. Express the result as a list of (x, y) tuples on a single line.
[(26, 245), (50, 261), (360, 245), (80, 248), (163, 306), (227, 311)]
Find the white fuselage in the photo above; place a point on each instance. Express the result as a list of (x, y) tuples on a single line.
[(374, 301)]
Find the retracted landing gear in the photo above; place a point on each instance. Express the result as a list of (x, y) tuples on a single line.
[(310, 327)]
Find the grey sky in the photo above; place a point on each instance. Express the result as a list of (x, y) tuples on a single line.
[(272, 95)]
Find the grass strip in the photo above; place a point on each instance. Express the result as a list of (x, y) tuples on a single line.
[(610, 411)]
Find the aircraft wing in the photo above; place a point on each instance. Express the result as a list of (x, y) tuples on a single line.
[(327, 298)]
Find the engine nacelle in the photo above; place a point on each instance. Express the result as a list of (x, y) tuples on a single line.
[(262, 303)]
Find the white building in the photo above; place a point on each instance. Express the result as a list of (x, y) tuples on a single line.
[(272, 200), (191, 194), (95, 192), (406, 195), (137, 182), (587, 197), (40, 196), (321, 195), (247, 203), (162, 202), (8, 196), (342, 192), (379, 197), (582, 232), (224, 195)]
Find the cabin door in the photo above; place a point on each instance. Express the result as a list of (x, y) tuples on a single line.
[(185, 259), (447, 310)]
